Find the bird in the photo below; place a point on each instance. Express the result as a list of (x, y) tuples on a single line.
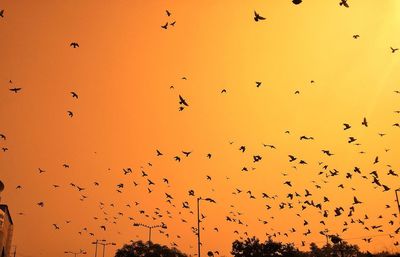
[(15, 89), (182, 101), (168, 13), (258, 83), (56, 226), (74, 95), (356, 201), (327, 152), (165, 26), (40, 204), (258, 17), (364, 122), (186, 153), (351, 140), (296, 2), (2, 13), (74, 44), (2, 136), (356, 36), (346, 126), (344, 3), (173, 23), (158, 152), (393, 49), (70, 114)]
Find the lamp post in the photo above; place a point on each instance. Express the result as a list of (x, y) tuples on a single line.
[(75, 253), (104, 244), (149, 227), (397, 199), (96, 243), (198, 221)]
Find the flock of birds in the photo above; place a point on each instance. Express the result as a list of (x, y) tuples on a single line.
[(296, 198)]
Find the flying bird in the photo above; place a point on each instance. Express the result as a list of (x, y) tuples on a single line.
[(74, 95), (15, 89), (168, 13), (70, 114), (364, 122), (165, 26), (344, 3), (346, 126), (258, 17), (2, 13), (74, 44), (182, 101)]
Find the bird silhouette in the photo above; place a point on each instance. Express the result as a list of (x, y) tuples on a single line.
[(15, 89), (364, 122), (346, 126), (344, 3), (74, 44), (165, 26), (258, 17), (74, 95), (182, 101)]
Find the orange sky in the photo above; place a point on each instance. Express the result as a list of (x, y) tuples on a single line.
[(123, 71)]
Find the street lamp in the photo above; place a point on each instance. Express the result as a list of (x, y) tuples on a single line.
[(104, 243), (198, 221), (75, 253), (397, 198), (96, 243), (149, 227)]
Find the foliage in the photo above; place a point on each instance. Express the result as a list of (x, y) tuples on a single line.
[(140, 249), (270, 248)]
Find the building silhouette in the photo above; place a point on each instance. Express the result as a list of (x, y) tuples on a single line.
[(6, 228)]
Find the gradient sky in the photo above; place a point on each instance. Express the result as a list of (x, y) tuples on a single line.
[(123, 72)]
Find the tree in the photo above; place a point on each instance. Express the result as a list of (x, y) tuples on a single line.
[(252, 247), (340, 249), (140, 249)]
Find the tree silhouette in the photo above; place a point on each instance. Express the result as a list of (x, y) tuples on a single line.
[(140, 249), (253, 247)]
